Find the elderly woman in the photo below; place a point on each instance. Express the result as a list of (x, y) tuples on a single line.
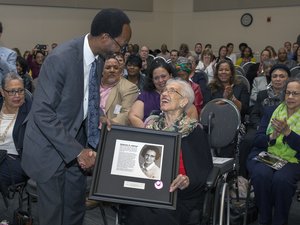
[(148, 101), (117, 93), (195, 158), (272, 96), (278, 134), (14, 109)]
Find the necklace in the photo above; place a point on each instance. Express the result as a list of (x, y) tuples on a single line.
[(2, 117)]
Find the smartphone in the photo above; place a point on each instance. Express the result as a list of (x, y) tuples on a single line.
[(41, 47)]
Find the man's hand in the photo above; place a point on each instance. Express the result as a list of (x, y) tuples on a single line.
[(86, 158)]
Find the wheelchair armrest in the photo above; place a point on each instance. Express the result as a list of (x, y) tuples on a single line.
[(212, 177)]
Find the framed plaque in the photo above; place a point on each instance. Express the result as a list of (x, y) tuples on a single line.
[(136, 166)]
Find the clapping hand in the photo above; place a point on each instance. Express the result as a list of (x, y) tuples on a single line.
[(280, 127), (228, 92)]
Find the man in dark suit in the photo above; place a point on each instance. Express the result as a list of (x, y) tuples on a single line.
[(56, 151)]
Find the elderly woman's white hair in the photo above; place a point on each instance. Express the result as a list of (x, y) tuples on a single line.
[(186, 91)]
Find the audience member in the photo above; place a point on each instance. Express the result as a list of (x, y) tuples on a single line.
[(26, 54), (134, 67), (272, 96), (206, 63), (7, 59), (261, 82), (194, 164), (295, 46), (184, 50), (230, 52), (119, 56), (14, 109), (288, 47), (35, 61), (22, 69), (199, 77), (246, 56), (164, 52), (297, 56), (283, 58), (183, 69), (116, 93), (225, 85), (256, 69), (272, 50), (135, 49), (278, 134), (198, 50), (57, 148), (222, 54), (146, 59), (174, 54)]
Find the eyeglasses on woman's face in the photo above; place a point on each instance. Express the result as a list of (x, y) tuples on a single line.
[(171, 91), (13, 92)]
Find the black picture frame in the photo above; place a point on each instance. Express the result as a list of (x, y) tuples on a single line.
[(117, 178)]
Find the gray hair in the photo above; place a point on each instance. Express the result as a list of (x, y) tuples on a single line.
[(186, 91), (10, 76)]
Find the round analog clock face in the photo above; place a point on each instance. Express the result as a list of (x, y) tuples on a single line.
[(246, 19)]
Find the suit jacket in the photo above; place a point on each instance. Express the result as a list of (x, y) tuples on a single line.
[(54, 133), (123, 94), (7, 61)]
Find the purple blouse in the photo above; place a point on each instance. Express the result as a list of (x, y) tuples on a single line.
[(151, 102)]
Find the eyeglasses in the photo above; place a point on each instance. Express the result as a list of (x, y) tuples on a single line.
[(122, 48), (293, 93), (13, 92), (171, 91)]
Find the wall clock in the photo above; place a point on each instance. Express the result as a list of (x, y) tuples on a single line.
[(246, 19)]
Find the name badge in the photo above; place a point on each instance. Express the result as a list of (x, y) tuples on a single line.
[(117, 109)]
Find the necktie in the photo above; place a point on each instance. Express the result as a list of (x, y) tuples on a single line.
[(93, 107)]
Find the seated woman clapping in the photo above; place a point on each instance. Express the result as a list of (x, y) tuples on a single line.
[(14, 109), (195, 158), (278, 134)]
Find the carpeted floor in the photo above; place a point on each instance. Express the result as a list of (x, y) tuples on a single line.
[(93, 216)]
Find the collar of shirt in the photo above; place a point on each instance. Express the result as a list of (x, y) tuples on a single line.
[(88, 55), (148, 167)]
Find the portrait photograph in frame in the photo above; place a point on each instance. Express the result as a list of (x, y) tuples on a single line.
[(136, 166)]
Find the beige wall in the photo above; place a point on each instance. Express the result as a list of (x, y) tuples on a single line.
[(171, 22)]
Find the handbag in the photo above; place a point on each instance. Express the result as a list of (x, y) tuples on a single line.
[(22, 217)]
